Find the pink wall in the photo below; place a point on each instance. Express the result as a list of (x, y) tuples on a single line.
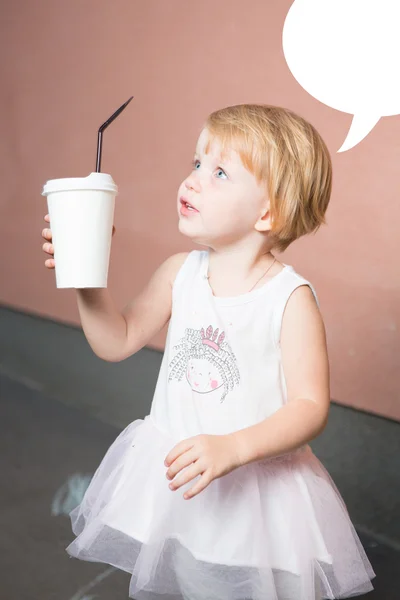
[(68, 65)]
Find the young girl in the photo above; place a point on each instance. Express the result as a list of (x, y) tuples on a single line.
[(216, 494)]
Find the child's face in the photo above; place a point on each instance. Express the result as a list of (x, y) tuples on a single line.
[(228, 198)]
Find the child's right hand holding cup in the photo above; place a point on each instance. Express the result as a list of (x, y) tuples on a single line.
[(48, 247)]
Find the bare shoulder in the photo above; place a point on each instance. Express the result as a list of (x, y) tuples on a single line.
[(303, 299), (173, 264), (302, 314)]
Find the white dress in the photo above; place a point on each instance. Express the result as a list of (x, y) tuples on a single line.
[(276, 529)]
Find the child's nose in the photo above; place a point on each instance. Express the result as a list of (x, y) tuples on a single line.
[(192, 183)]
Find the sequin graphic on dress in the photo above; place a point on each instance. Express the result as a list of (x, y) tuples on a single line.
[(207, 361)]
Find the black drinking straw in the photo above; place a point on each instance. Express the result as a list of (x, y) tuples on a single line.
[(102, 128)]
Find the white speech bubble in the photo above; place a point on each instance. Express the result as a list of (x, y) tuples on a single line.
[(346, 54)]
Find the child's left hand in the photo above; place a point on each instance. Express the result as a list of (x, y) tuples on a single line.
[(210, 456)]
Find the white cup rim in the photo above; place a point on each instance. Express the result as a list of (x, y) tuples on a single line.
[(95, 181)]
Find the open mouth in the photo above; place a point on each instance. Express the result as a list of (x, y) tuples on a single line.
[(186, 205)]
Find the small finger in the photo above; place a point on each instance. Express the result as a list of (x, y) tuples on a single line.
[(50, 264), (185, 460), (47, 218), (199, 486), (49, 248), (177, 450), (190, 473)]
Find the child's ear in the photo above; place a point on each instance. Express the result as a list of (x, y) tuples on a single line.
[(264, 222)]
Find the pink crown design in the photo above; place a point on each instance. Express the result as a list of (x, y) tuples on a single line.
[(209, 338)]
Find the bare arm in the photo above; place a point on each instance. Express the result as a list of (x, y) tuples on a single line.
[(114, 334), (306, 369), (147, 314), (102, 322)]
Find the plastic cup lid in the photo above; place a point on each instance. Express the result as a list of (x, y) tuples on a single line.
[(94, 181)]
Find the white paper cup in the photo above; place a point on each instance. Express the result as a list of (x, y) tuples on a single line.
[(81, 220)]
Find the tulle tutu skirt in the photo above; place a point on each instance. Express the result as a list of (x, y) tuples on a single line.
[(276, 529)]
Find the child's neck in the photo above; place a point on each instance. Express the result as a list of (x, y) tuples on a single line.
[(230, 274)]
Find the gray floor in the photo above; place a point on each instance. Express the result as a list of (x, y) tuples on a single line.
[(49, 365)]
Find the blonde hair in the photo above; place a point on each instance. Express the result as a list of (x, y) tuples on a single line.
[(285, 152)]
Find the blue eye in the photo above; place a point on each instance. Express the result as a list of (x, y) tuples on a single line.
[(223, 172), (220, 172)]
